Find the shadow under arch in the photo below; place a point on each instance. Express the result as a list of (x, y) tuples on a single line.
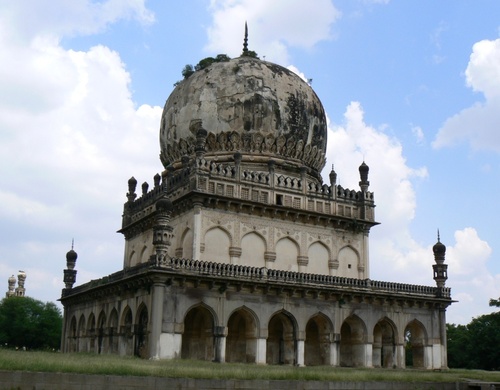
[(281, 339), (80, 345), (198, 336), (141, 332), (101, 325), (384, 343), (113, 331), (318, 341), (73, 336), (415, 343), (242, 333), (126, 331), (91, 333), (353, 342)]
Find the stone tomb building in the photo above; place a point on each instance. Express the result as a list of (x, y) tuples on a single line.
[(240, 253)]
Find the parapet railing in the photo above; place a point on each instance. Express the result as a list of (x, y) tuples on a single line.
[(223, 270)]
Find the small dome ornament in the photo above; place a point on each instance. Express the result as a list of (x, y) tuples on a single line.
[(439, 250)]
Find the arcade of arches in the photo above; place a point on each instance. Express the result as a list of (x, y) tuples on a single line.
[(253, 336)]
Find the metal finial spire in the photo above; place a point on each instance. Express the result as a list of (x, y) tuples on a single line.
[(72, 243), (438, 236), (245, 40)]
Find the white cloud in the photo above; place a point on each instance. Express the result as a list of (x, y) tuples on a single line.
[(394, 254), (273, 26), (478, 125), (418, 134), (71, 137)]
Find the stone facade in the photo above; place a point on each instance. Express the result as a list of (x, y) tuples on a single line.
[(240, 253)]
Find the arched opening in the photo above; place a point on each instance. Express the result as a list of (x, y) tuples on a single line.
[(317, 342), (253, 247), (415, 341), (101, 331), (241, 341), (348, 263), (217, 244), (112, 332), (125, 346), (91, 332), (352, 342), (198, 336), (281, 340), (187, 244), (145, 254), (384, 344), (72, 337), (80, 343), (141, 334), (287, 251), (318, 259)]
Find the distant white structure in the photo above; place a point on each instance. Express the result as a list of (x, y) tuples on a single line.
[(18, 291)]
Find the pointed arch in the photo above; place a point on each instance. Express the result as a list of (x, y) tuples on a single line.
[(318, 340), (132, 258), (144, 258), (113, 331), (186, 244), (101, 325), (142, 330), (125, 343), (287, 251), (217, 242), (72, 336), (241, 340), (319, 255), (80, 345), (198, 335), (415, 342), (348, 262), (281, 339), (91, 332), (253, 247), (384, 344), (352, 342)]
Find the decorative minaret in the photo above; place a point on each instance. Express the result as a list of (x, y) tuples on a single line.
[(162, 230), (245, 41), (12, 285), (440, 268), (333, 183), (70, 272), (363, 173), (21, 278)]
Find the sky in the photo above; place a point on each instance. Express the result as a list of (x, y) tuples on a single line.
[(410, 87)]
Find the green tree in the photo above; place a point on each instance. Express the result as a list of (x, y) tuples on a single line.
[(187, 71), (458, 346), (30, 323), (495, 302)]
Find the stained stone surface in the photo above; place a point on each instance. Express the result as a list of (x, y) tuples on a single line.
[(245, 105)]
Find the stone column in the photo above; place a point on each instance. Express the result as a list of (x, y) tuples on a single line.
[(260, 355), (302, 261), (220, 333), (156, 320), (300, 353), (235, 254), (269, 257), (335, 350)]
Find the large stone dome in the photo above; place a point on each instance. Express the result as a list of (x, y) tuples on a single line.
[(257, 108)]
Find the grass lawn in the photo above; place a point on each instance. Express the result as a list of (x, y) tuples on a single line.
[(116, 365)]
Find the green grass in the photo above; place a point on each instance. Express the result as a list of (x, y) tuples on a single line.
[(116, 365)]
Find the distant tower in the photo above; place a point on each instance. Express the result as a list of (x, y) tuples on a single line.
[(440, 269), (70, 272), (21, 278), (12, 285)]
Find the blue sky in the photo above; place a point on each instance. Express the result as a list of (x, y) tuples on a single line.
[(412, 87)]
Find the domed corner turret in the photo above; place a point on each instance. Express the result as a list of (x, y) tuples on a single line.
[(70, 272), (440, 268), (363, 174), (261, 109), (439, 250)]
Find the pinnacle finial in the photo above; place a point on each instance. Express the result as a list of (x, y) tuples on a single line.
[(72, 243), (245, 40), (438, 237)]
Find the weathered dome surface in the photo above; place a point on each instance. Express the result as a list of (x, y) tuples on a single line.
[(246, 105)]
